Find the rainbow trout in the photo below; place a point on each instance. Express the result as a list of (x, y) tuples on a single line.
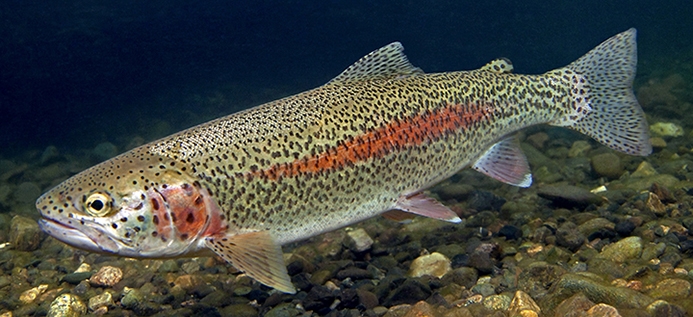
[(367, 142)]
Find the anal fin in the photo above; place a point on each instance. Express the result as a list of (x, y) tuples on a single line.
[(398, 216), (505, 162), (256, 254), (422, 205)]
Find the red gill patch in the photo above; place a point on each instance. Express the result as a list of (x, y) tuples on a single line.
[(182, 207)]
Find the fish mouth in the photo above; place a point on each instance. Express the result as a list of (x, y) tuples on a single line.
[(85, 238)]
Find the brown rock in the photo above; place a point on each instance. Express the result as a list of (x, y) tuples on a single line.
[(522, 302), (107, 276), (575, 306), (603, 310)]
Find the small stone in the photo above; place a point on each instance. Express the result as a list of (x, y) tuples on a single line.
[(187, 282), (654, 205), (485, 289), (622, 250), (354, 273), (510, 232), (579, 148), (568, 196), (282, 310), (575, 306), (464, 276), (420, 309), (102, 300), (658, 142), (169, 266), (84, 267), (76, 278), (624, 228), (645, 169), (666, 129), (358, 240), (674, 287), (569, 236), (107, 276), (538, 140), (597, 228), (603, 310), (662, 308), (30, 295), (522, 301), (25, 234), (132, 297), (411, 291), (66, 305), (190, 267), (367, 298), (570, 284), (497, 302), (434, 264), (607, 165)]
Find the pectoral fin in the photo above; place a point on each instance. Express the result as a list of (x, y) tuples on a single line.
[(505, 162), (256, 254), (423, 205)]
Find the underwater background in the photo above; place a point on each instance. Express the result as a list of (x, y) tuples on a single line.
[(81, 81)]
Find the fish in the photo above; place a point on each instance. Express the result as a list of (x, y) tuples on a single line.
[(368, 142)]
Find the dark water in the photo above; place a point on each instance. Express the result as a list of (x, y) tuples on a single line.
[(77, 73)]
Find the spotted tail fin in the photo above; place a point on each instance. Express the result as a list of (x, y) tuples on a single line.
[(615, 119)]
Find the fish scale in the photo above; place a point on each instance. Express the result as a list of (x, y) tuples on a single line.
[(366, 143)]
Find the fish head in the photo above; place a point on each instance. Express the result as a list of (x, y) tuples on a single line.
[(137, 204)]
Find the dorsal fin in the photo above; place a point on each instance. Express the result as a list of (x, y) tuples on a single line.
[(499, 66), (387, 62)]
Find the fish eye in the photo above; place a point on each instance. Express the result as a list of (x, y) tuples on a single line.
[(98, 204)]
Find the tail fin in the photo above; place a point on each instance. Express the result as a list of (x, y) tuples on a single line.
[(616, 119)]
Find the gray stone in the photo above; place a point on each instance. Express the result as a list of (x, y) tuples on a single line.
[(132, 297), (607, 165), (358, 240), (434, 264), (25, 234), (673, 287), (622, 250), (569, 236), (568, 196), (571, 284), (66, 305), (104, 299)]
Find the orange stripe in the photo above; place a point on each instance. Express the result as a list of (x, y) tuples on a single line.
[(422, 128)]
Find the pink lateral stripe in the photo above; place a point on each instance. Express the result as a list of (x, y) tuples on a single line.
[(379, 142)]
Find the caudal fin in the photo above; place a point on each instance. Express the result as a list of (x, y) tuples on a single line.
[(615, 119)]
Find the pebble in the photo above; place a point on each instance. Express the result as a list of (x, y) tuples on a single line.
[(674, 287), (66, 305), (622, 250), (106, 276), (497, 302), (76, 278), (520, 302), (132, 297), (603, 310), (607, 165), (434, 264), (571, 283), (579, 148), (283, 310), (358, 240), (30, 295), (411, 291), (569, 236), (104, 299), (575, 306), (25, 234), (568, 196), (666, 129)]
